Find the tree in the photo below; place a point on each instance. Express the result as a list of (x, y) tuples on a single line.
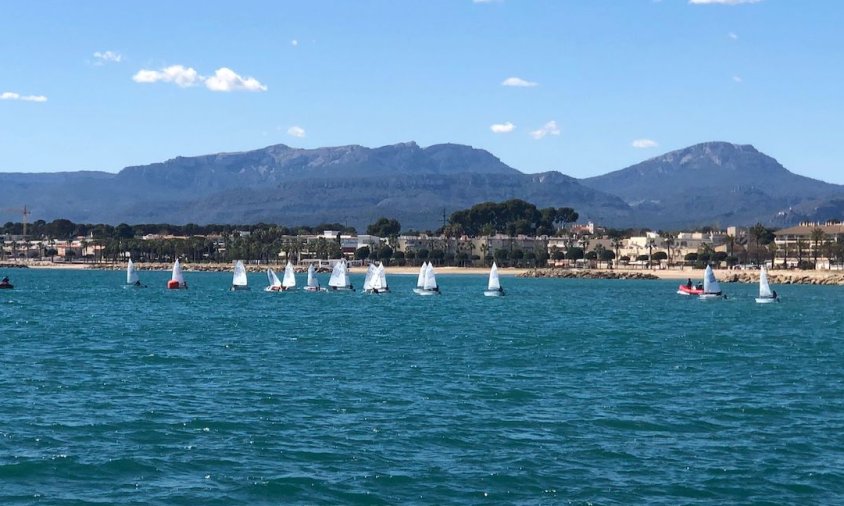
[(818, 235), (385, 253), (384, 227), (362, 253), (574, 253)]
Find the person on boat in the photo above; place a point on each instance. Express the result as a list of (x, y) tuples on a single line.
[(5, 280), (774, 294), (689, 284), (699, 286)]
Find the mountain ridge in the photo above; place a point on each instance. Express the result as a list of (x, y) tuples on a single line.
[(704, 184)]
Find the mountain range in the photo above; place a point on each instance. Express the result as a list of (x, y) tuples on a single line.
[(714, 183)]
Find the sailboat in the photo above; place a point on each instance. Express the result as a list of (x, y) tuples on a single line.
[(429, 284), (371, 275), (766, 295), (274, 282), (289, 280), (340, 277), (493, 288), (711, 288), (313, 282), (177, 279), (132, 278), (239, 281), (382, 279), (420, 281)]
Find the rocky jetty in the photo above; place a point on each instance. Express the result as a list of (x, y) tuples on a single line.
[(585, 274), (788, 278)]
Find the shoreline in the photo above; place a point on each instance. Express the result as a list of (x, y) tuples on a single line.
[(776, 276)]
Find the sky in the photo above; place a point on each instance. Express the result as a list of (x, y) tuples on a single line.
[(583, 87)]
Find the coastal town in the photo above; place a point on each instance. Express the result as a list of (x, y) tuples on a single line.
[(807, 246)]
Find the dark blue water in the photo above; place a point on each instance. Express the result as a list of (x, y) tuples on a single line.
[(565, 391)]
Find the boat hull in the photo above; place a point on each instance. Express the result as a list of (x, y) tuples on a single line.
[(493, 293), (175, 285), (710, 296), (239, 288), (6, 286), (766, 300), (423, 292), (685, 290)]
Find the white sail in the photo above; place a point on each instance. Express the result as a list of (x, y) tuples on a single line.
[(177, 273), (371, 276), (272, 279), (764, 288), (420, 281), (430, 278), (710, 284), (382, 278), (131, 274), (239, 277), (313, 282), (339, 278), (289, 280), (494, 283)]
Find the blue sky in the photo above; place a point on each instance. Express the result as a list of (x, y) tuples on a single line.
[(583, 87)]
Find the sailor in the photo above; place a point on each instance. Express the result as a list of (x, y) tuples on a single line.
[(774, 294), (689, 284)]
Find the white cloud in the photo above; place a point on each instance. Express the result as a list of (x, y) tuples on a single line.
[(502, 128), (296, 131), (738, 79), (732, 35), (11, 95), (549, 128), (226, 79), (723, 2), (644, 143), (103, 57), (294, 42), (178, 74), (518, 82)]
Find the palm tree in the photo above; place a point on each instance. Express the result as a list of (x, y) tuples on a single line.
[(817, 236), (668, 241)]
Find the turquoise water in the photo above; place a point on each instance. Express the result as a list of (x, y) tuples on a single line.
[(565, 391)]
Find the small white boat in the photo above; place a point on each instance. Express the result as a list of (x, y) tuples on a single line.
[(766, 295), (177, 279), (420, 281), (239, 281), (132, 278), (289, 280), (711, 287), (371, 274), (429, 284), (274, 282), (313, 282), (339, 280), (381, 285), (493, 288)]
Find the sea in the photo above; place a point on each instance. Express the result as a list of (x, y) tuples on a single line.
[(562, 392)]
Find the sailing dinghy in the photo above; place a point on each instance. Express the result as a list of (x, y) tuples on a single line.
[(766, 295), (313, 282), (711, 288), (340, 278), (429, 284), (493, 288), (274, 282), (289, 280), (239, 281), (420, 281), (132, 278), (177, 279)]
